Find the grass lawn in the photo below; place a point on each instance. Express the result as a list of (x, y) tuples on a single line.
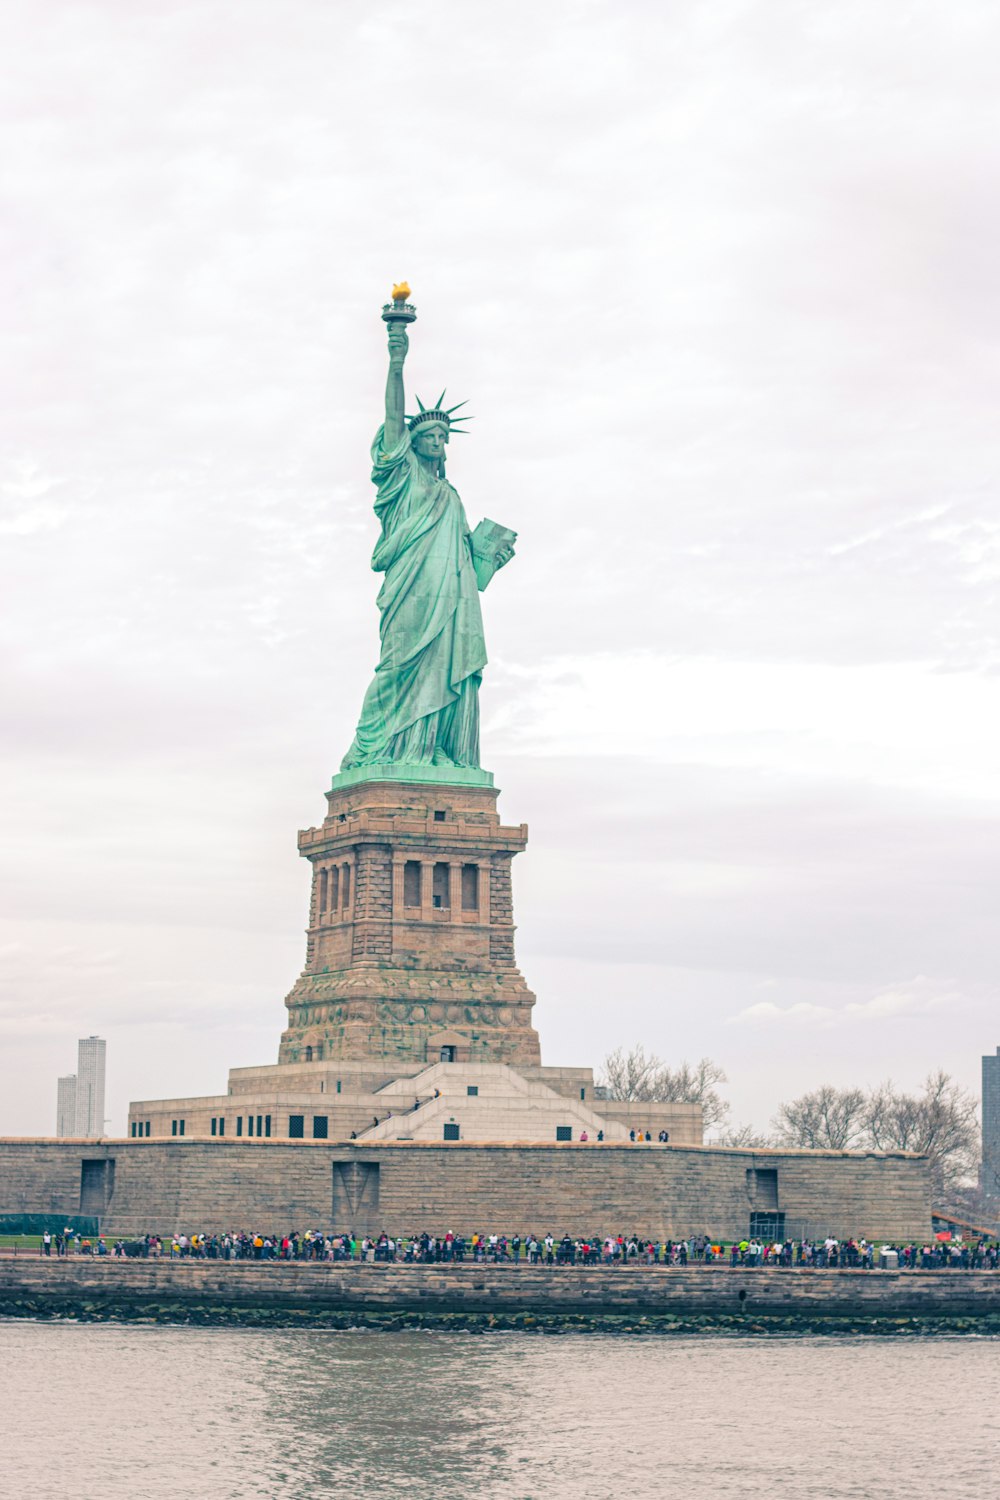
[(26, 1244)]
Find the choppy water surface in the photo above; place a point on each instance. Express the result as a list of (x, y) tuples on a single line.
[(109, 1411)]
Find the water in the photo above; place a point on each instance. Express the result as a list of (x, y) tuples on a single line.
[(115, 1411)]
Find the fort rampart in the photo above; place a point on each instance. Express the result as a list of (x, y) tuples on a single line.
[(661, 1192)]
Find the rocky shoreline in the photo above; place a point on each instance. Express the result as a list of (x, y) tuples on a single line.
[(131, 1311), (476, 1298)]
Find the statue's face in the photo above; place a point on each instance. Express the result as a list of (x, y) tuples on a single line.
[(429, 440)]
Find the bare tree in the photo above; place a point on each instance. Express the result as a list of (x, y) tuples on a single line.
[(941, 1123), (828, 1118), (695, 1084), (630, 1075), (643, 1076), (742, 1135)]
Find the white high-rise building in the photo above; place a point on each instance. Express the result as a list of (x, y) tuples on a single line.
[(66, 1105), (90, 1086)]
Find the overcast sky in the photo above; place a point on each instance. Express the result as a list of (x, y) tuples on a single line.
[(719, 282)]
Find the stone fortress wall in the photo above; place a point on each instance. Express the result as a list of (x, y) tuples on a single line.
[(664, 1192)]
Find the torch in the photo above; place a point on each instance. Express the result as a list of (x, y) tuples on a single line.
[(399, 310)]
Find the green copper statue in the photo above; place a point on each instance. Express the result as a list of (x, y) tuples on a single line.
[(422, 708)]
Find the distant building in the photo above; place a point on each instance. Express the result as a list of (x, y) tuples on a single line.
[(989, 1179), (66, 1105), (90, 1086)]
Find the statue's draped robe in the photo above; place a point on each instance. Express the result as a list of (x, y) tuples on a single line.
[(423, 706)]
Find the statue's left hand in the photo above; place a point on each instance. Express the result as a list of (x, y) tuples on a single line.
[(504, 556)]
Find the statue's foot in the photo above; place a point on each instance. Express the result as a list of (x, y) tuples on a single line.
[(441, 759)]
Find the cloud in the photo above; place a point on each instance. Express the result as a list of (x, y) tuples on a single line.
[(910, 999), (802, 1013)]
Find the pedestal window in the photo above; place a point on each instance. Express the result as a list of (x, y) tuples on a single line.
[(440, 892), (411, 883)]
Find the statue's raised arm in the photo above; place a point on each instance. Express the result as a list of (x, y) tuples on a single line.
[(395, 400)]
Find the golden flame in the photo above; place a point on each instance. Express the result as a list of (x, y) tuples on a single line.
[(400, 292)]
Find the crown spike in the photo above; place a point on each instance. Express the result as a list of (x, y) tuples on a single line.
[(437, 404), (419, 402), (450, 409)]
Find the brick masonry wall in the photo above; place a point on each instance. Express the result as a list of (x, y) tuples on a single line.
[(659, 1191), (373, 902), (501, 912), (440, 1289)]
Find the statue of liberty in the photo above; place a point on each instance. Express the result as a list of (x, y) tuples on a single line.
[(422, 708)]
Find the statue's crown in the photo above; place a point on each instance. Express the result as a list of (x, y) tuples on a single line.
[(438, 413)]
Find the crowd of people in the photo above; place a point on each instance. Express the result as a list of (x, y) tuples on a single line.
[(538, 1250)]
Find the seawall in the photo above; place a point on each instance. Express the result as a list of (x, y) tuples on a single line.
[(323, 1294)]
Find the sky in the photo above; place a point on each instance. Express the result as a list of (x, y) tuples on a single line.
[(719, 284)]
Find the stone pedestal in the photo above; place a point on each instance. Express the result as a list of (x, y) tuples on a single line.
[(410, 951)]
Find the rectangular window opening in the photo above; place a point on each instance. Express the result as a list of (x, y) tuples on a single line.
[(762, 1186), (470, 887), (411, 883), (97, 1184), (451, 1132), (296, 1127), (239, 1124), (355, 1194), (564, 1132), (472, 1088), (441, 884), (321, 1127)]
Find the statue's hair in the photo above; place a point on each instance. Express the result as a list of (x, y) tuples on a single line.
[(424, 426)]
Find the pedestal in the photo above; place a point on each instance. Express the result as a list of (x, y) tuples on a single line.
[(410, 949)]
